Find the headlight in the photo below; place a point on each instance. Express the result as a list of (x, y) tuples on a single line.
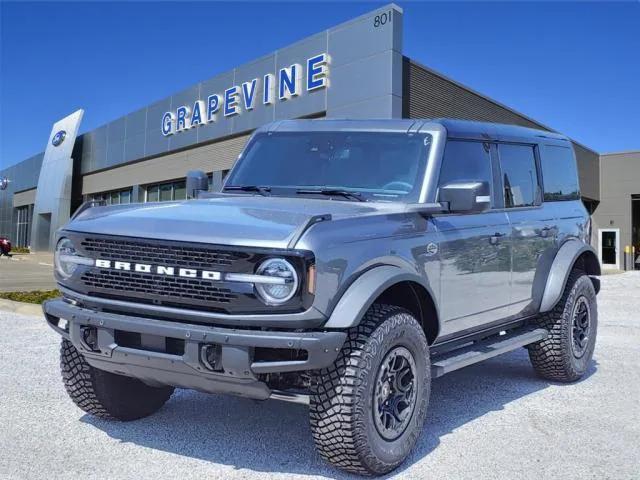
[(287, 281), (67, 259)]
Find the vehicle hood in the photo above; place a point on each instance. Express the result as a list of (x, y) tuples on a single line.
[(269, 222)]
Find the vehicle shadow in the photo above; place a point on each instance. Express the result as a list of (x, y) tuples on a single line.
[(274, 436)]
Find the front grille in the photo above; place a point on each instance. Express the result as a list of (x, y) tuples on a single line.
[(194, 293), (162, 254), (184, 289), (166, 290)]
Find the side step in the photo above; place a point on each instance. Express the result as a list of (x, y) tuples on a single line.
[(484, 349), (300, 398)]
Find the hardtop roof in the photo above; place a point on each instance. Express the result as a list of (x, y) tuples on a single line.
[(467, 129)]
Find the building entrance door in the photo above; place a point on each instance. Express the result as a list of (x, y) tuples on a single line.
[(609, 247), (635, 229)]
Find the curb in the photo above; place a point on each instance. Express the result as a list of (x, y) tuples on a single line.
[(21, 308)]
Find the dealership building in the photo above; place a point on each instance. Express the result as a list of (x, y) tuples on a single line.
[(354, 70)]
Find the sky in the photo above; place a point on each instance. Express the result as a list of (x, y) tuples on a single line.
[(572, 66)]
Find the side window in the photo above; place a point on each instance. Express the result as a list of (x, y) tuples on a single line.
[(559, 174), (466, 161), (519, 175)]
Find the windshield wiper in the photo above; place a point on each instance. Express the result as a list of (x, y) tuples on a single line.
[(332, 192), (264, 191)]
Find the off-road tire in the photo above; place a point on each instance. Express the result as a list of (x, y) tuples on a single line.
[(107, 395), (554, 358), (342, 395)]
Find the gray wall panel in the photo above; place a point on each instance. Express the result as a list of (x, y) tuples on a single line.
[(115, 153), (136, 122), (134, 147), (363, 84), (99, 158), (369, 108), (360, 37), (619, 180), (86, 162), (22, 176), (116, 130), (100, 137), (217, 156)]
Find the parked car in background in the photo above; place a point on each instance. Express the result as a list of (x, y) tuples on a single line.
[(5, 246)]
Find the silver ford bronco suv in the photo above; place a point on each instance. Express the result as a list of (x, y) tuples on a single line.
[(344, 265)]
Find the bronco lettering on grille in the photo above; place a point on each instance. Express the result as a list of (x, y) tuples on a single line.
[(158, 269)]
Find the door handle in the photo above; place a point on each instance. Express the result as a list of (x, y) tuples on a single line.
[(495, 238)]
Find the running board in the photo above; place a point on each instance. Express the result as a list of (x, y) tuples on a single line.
[(299, 398), (485, 349)]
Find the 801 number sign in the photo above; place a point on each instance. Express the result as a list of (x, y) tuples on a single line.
[(382, 19)]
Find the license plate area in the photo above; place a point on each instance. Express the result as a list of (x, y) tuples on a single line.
[(148, 342)]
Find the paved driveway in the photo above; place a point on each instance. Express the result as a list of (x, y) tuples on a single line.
[(26, 272), (490, 421)]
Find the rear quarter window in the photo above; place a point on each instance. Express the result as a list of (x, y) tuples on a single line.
[(559, 174)]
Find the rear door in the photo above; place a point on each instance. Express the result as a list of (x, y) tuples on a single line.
[(475, 248), (533, 223)]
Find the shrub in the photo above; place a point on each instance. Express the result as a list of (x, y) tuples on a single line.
[(37, 296)]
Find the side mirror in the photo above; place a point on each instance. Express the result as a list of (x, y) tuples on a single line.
[(197, 181), (466, 197)]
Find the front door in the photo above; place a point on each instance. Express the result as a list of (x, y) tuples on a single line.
[(475, 249), (476, 267), (609, 247)]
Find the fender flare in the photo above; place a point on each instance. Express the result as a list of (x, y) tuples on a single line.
[(361, 294), (561, 267)]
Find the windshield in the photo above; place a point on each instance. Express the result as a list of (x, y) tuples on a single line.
[(376, 166)]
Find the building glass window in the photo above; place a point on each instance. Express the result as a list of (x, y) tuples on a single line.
[(179, 191), (166, 192), (223, 176), (153, 193), (23, 225), (115, 197), (125, 196), (519, 175)]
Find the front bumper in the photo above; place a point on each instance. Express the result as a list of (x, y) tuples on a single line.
[(236, 370)]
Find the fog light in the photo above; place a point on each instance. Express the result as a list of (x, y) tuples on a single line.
[(210, 356), (90, 337)]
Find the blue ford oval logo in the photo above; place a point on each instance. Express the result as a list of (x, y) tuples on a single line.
[(58, 138)]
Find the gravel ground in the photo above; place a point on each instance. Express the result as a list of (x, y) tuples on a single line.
[(492, 420)]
